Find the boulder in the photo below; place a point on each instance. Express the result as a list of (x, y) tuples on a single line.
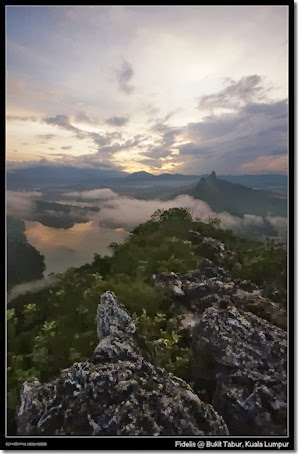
[(200, 287), (211, 285), (117, 392), (261, 306), (242, 360)]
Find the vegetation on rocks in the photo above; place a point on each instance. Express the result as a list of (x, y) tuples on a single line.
[(50, 330)]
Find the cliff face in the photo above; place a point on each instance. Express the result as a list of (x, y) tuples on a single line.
[(116, 393), (245, 358)]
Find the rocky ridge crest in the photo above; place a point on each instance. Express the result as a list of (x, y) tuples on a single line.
[(117, 392)]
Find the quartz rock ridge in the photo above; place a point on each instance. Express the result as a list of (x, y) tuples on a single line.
[(117, 392), (244, 358)]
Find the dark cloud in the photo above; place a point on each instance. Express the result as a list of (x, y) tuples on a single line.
[(67, 147), (167, 133), (166, 140), (136, 141), (46, 137), (99, 139), (226, 141), (62, 121), (99, 160), (191, 149), (117, 121), (247, 89), (157, 152), (124, 75), (82, 117), (21, 118)]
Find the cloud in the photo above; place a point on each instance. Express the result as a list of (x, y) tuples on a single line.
[(99, 139), (29, 287), (280, 224), (67, 147), (62, 121), (120, 214), (93, 194), (117, 121), (19, 203), (82, 117), (12, 165), (37, 90), (105, 143), (272, 163), (164, 144), (46, 137), (251, 137), (233, 142), (127, 213), (191, 149), (124, 75), (235, 94), (22, 118)]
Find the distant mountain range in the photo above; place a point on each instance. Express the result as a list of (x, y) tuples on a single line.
[(237, 199), (163, 176), (49, 176), (62, 176), (253, 181)]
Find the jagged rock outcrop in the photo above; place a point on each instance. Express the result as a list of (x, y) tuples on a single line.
[(261, 306), (213, 249), (241, 359), (117, 392), (211, 285), (207, 281)]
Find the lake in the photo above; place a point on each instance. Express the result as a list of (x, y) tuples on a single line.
[(73, 247)]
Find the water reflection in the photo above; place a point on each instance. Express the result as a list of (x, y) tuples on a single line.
[(64, 248)]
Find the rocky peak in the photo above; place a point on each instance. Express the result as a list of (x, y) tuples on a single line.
[(117, 392), (211, 179), (112, 318)]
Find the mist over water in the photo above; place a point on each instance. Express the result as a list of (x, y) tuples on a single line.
[(118, 215), (32, 287)]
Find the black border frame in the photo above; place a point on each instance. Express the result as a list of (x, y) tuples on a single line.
[(168, 443)]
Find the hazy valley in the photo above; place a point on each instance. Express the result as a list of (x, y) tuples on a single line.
[(68, 223)]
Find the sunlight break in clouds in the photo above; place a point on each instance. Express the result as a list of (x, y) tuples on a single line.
[(273, 163), (114, 83)]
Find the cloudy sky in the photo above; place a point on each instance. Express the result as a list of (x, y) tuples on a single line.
[(162, 89)]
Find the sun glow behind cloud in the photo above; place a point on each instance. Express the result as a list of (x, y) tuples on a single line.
[(148, 88)]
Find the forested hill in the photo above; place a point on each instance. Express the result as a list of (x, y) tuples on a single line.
[(170, 275), (238, 199), (24, 262)]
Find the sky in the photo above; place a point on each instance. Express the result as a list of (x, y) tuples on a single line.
[(161, 89)]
